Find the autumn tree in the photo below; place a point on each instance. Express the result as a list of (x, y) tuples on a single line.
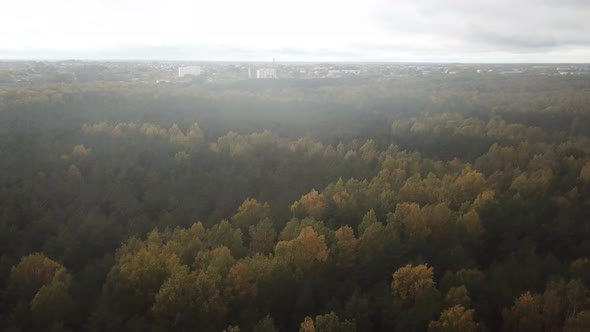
[(293, 228), (454, 319), (458, 296), (467, 186), (420, 223), (140, 270), (369, 219), (312, 204), (410, 281), (410, 221), (176, 302), (240, 284), (307, 325), (53, 302), (525, 314), (74, 172), (223, 234), (81, 151), (302, 253), (344, 250), (32, 272), (250, 213), (471, 224), (369, 151), (262, 237), (38, 289), (327, 323)]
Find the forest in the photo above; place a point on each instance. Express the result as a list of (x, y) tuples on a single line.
[(436, 204)]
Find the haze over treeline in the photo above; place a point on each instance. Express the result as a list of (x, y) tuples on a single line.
[(373, 198)]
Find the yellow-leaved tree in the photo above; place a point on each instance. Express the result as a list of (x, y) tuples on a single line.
[(454, 319), (302, 253), (410, 281)]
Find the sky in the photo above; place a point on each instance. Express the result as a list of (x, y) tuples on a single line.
[(298, 30)]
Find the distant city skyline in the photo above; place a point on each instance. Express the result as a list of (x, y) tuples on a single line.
[(476, 31)]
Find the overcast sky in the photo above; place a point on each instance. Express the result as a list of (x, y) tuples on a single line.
[(298, 30)]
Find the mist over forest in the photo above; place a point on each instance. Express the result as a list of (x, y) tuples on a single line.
[(352, 197)]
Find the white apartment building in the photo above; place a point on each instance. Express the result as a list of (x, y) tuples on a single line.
[(189, 70), (266, 73)]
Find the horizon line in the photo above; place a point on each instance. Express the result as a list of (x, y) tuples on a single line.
[(287, 62)]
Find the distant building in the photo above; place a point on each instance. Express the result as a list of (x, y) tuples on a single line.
[(189, 70), (266, 73), (351, 71), (334, 73), (512, 72), (343, 72)]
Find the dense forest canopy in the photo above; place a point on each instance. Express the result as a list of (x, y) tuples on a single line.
[(355, 204)]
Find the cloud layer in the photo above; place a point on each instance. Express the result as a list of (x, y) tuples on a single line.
[(303, 30)]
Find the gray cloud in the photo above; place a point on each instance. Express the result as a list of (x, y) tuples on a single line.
[(507, 25), (351, 30)]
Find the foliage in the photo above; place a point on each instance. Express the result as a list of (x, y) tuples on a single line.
[(409, 204)]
